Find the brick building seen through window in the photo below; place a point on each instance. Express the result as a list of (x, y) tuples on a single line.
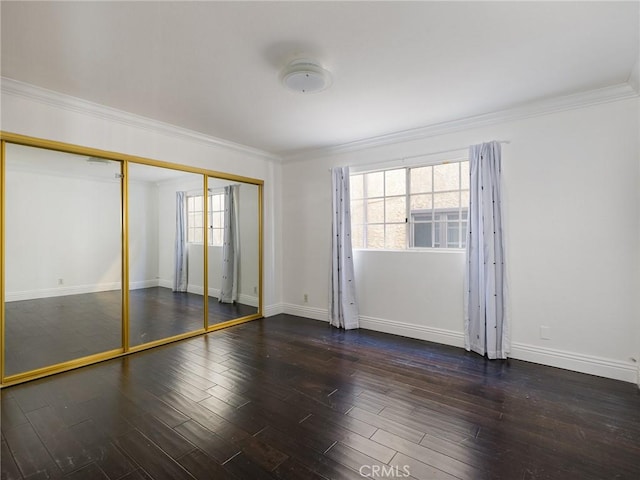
[(410, 207)]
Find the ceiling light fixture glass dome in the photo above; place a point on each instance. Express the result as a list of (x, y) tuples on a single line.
[(305, 76)]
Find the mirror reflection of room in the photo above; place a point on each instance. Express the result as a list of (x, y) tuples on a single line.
[(62, 257), (165, 297), (64, 263), (232, 239)]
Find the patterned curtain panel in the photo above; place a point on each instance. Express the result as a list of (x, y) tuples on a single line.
[(343, 308), (230, 246), (486, 326), (180, 277)]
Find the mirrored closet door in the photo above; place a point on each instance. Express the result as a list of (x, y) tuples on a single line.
[(79, 223), (166, 231), (233, 249), (62, 282)]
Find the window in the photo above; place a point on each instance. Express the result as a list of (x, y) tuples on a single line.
[(195, 227), (416, 207)]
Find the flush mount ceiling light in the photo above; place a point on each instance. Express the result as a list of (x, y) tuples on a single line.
[(305, 76)]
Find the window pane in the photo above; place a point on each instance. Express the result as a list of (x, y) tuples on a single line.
[(357, 213), (215, 202), (395, 209), (197, 220), (375, 184), (421, 216), (217, 220), (395, 182), (357, 186), (446, 200), (357, 236), (197, 237), (453, 234), (375, 211), (422, 235), (437, 242), (197, 203), (464, 175), (446, 177), (396, 236), (421, 180), (375, 236), (421, 202), (217, 236), (464, 199), (463, 233), (190, 203)]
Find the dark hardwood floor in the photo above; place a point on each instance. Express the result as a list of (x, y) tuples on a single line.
[(47, 331), (292, 398)]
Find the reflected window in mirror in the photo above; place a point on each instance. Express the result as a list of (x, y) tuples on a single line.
[(215, 212)]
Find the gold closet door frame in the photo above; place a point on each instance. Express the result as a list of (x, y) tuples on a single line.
[(125, 160)]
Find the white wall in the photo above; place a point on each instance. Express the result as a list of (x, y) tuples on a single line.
[(62, 235), (143, 235), (573, 239), (34, 112)]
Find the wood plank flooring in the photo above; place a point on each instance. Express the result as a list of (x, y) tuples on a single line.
[(291, 398)]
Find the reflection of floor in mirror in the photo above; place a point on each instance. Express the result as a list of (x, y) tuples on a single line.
[(51, 330)]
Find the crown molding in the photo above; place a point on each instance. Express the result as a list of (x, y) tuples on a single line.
[(608, 94), (11, 87), (573, 101)]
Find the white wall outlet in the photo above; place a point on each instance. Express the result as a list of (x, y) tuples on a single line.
[(306, 298), (545, 333), (60, 281)]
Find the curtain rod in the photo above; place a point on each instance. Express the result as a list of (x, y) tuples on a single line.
[(403, 159)]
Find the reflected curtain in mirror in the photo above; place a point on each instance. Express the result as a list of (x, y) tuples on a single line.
[(180, 275), (230, 246)]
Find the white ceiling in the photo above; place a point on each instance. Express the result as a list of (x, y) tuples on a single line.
[(213, 67)]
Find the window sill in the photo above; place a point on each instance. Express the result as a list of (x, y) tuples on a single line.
[(412, 250)]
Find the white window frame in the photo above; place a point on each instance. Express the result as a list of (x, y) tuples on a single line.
[(209, 223), (439, 213)]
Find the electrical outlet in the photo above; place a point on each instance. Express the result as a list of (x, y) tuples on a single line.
[(60, 281), (255, 290), (545, 333), (306, 298)]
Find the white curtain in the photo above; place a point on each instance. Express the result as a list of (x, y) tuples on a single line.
[(486, 323), (230, 246), (180, 277), (343, 308)]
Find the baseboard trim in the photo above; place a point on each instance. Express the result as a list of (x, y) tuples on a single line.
[(272, 310), (63, 291), (577, 362), (60, 291), (307, 312), (248, 300), (421, 332)]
